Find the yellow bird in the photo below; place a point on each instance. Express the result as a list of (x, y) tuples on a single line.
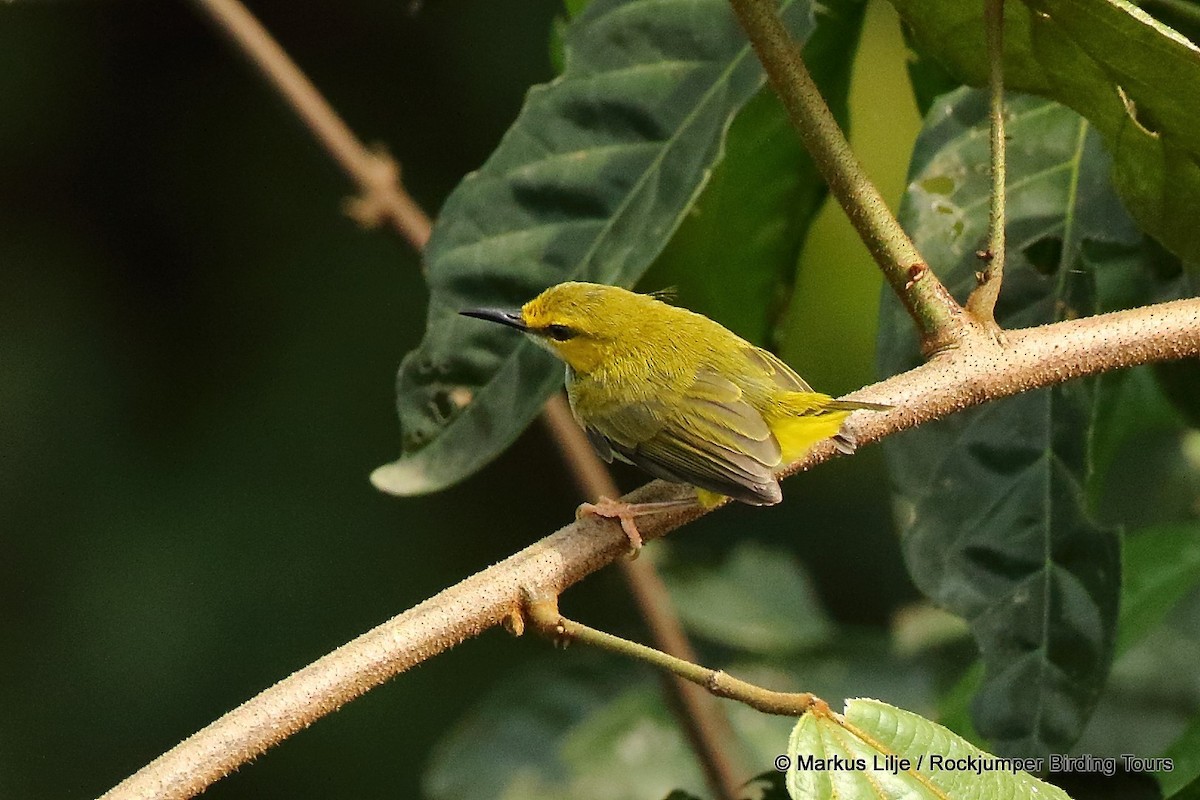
[(677, 394)]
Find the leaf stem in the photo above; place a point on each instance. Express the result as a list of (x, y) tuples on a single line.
[(982, 302), (937, 314), (542, 610)]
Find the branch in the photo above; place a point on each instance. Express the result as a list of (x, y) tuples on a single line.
[(938, 316), (978, 371), (982, 302), (377, 176), (543, 612), (382, 197)]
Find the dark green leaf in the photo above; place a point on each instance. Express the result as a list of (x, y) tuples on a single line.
[(1162, 565), (954, 709), (1146, 470), (1135, 79), (1182, 782), (929, 79), (589, 184), (1180, 381), (1182, 15), (758, 601), (584, 728), (515, 733), (1189, 792), (991, 502), (734, 256)]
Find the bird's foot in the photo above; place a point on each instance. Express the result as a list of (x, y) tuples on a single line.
[(622, 512), (626, 513)]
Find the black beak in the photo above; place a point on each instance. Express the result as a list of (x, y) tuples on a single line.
[(510, 318)]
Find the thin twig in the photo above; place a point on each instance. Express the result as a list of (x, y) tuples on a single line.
[(978, 371), (937, 314), (982, 302), (542, 611), (383, 197), (705, 725), (380, 198)]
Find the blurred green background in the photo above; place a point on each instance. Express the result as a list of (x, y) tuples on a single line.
[(197, 353)]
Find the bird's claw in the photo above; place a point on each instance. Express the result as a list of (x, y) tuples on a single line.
[(622, 512)]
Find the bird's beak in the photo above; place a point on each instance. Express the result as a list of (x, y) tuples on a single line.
[(512, 319)]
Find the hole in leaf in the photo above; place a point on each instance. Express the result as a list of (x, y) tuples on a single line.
[(448, 402), (1045, 255), (414, 439), (938, 184)]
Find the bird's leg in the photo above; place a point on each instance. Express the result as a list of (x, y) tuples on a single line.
[(626, 513)]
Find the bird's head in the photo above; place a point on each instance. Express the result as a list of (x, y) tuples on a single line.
[(581, 323)]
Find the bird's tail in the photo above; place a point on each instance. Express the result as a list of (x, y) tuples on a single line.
[(816, 417), (844, 440), (855, 405)]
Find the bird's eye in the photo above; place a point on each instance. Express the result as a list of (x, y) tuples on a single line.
[(560, 333)]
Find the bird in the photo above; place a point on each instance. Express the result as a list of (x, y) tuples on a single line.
[(677, 394)]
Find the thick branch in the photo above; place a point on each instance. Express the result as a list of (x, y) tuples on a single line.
[(935, 311), (978, 371), (377, 176), (982, 302)]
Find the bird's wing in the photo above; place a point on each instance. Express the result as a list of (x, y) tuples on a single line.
[(600, 444), (710, 437), (772, 365)]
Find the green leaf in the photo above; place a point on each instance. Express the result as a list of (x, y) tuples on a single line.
[(1180, 381), (589, 184), (886, 752), (734, 257), (585, 727), (1134, 78), (512, 737), (632, 747), (954, 708), (1182, 782), (1136, 428), (1189, 792), (1160, 567), (759, 601), (1162, 564), (929, 79), (991, 502)]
